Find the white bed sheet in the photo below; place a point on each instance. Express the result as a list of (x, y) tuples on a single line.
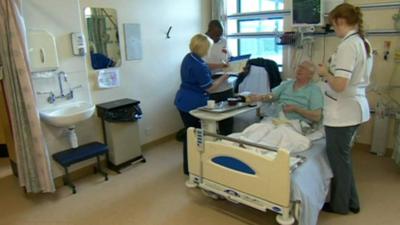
[(310, 182)]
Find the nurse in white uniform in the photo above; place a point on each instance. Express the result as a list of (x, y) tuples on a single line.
[(346, 105), (217, 60)]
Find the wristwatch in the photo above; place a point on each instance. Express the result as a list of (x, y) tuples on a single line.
[(266, 98)]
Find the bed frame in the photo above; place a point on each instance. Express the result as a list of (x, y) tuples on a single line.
[(241, 175)]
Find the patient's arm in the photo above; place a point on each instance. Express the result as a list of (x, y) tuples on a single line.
[(313, 115), (261, 98)]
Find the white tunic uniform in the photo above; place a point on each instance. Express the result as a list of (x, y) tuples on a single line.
[(350, 61), (219, 54)]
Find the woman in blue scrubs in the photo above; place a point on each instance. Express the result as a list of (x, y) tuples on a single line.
[(196, 84)]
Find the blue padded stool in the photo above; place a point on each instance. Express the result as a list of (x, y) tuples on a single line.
[(74, 155)]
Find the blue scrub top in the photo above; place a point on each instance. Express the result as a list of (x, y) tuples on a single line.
[(196, 79), (308, 97), (100, 61)]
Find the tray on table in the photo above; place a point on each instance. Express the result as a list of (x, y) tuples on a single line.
[(223, 106)]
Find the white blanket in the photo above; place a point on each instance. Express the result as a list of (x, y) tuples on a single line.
[(279, 133)]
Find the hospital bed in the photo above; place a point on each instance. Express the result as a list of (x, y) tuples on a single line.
[(293, 186)]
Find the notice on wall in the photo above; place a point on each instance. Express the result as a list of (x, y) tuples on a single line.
[(133, 43), (108, 78)]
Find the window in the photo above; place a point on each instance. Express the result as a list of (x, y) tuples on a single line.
[(251, 26)]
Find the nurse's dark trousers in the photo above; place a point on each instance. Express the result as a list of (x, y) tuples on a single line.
[(339, 141), (225, 126), (188, 121)]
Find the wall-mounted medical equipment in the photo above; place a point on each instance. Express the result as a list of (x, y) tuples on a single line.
[(42, 51), (386, 49), (78, 44), (307, 13), (286, 38)]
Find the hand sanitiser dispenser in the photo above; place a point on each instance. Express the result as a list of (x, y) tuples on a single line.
[(78, 44), (121, 131)]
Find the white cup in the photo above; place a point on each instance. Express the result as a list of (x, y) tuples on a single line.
[(210, 104)]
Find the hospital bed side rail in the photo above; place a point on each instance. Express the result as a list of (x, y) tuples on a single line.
[(200, 133)]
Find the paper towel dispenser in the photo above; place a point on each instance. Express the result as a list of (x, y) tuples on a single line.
[(42, 51)]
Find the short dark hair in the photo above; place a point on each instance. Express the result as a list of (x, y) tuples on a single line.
[(215, 24)]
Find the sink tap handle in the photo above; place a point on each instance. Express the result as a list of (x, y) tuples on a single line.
[(43, 92), (63, 75), (52, 98), (76, 87), (70, 94)]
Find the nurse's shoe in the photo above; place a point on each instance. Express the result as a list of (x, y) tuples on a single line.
[(354, 210), (327, 207)]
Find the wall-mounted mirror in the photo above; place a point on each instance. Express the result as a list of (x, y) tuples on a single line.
[(103, 37)]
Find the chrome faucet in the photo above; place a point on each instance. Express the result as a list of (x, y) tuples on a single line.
[(62, 77), (70, 94), (51, 97)]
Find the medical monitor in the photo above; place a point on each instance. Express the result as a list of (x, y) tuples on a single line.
[(307, 13)]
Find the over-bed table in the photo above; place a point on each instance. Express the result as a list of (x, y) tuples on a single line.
[(243, 173)]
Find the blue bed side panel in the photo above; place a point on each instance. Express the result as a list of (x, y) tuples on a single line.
[(234, 164)]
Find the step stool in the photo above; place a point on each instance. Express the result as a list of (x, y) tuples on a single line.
[(74, 155)]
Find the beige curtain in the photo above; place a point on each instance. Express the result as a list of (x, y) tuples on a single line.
[(34, 171)]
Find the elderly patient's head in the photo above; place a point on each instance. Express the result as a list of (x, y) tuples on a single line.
[(305, 71)]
